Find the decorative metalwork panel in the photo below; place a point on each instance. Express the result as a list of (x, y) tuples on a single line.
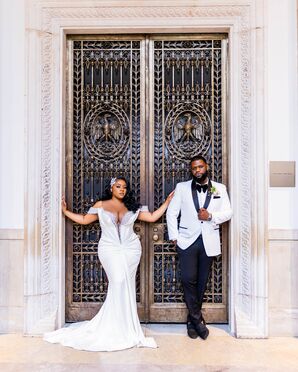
[(106, 112), (187, 121), (167, 283), (110, 137)]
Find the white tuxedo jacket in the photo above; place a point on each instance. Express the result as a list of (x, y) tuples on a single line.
[(190, 226)]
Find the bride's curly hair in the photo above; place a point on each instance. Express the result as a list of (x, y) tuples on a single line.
[(129, 199)]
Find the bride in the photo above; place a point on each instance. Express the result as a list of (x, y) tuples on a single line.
[(116, 326)]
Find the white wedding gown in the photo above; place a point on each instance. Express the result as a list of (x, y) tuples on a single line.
[(116, 326)]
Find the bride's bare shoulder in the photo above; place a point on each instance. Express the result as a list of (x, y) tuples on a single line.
[(98, 204)]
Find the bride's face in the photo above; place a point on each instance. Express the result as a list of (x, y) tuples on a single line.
[(119, 189)]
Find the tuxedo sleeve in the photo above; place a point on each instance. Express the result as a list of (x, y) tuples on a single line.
[(225, 213), (173, 213)]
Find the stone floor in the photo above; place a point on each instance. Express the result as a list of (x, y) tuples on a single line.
[(176, 352)]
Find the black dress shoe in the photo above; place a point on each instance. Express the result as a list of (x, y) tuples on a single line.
[(201, 329), (191, 330)]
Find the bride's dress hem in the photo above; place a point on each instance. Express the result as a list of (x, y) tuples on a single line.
[(149, 343)]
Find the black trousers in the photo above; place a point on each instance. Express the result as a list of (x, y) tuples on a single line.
[(195, 266)]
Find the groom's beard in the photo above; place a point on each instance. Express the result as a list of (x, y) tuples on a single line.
[(202, 178)]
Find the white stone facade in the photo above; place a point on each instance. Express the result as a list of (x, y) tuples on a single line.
[(262, 82)]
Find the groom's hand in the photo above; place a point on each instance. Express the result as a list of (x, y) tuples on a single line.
[(203, 214)]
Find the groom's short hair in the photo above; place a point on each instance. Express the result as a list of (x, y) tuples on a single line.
[(198, 157)]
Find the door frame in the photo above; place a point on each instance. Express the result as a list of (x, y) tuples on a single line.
[(47, 25)]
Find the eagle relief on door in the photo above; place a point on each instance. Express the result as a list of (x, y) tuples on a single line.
[(141, 107)]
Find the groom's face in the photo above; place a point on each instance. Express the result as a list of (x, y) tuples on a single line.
[(199, 170)]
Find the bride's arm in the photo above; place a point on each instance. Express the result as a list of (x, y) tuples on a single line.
[(82, 219), (154, 216)]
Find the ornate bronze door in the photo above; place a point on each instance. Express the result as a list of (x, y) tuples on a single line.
[(141, 106)]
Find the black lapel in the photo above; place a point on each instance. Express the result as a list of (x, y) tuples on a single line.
[(195, 195), (208, 196)]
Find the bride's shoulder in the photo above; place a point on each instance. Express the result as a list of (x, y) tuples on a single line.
[(98, 204)]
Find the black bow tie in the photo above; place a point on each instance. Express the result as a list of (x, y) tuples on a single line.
[(202, 187)]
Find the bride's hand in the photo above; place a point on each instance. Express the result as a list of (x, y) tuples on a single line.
[(63, 205), (170, 197)]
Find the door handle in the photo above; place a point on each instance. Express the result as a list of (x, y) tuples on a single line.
[(157, 233), (155, 237), (139, 230)]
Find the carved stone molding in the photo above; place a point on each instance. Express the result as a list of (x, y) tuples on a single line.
[(45, 248)]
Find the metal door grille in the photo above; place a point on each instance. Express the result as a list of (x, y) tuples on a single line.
[(141, 107), (105, 142)]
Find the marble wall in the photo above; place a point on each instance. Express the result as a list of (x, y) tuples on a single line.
[(12, 114), (283, 283), (12, 164), (282, 145), (11, 281), (282, 107)]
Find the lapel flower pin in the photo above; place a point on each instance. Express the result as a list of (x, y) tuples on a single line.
[(214, 191)]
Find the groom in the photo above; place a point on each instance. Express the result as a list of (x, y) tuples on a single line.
[(202, 205)]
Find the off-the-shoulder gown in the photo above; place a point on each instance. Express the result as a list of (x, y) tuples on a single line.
[(116, 326)]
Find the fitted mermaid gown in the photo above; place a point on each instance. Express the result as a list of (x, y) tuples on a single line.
[(116, 326)]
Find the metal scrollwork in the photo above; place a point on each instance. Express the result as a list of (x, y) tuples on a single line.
[(106, 111), (187, 121), (110, 136)]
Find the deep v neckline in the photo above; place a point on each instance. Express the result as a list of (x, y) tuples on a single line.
[(118, 222)]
